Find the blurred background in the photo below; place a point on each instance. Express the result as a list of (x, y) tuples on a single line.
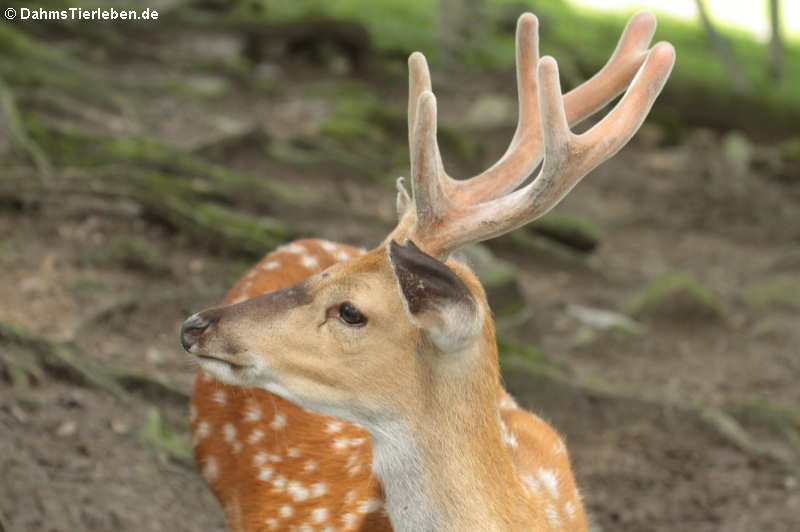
[(652, 317)]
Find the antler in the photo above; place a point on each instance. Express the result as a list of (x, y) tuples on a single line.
[(524, 153), (450, 213)]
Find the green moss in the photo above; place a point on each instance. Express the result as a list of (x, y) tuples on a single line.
[(545, 248), (88, 285), (393, 25), (210, 223), (362, 131), (15, 129), (790, 149), (509, 349), (128, 252), (354, 120), (29, 62), (571, 229), (676, 295), (164, 441), (463, 144), (359, 115), (781, 418), (783, 290), (192, 174), (256, 234)]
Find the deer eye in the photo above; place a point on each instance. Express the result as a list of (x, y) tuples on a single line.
[(351, 315)]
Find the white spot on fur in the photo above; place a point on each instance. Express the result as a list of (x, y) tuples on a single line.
[(279, 483), (549, 480), (278, 422), (355, 442), (239, 300), (272, 523), (294, 247), (370, 505), (203, 430), (250, 274), (310, 466), (210, 469), (328, 528), (509, 438), (286, 511), (328, 246), (229, 432), (274, 457), (236, 447), (192, 413), (342, 256), (319, 515), (529, 482), (271, 265), (333, 427), (305, 527), (350, 497), (362, 251), (552, 516), (353, 470), (309, 261), (219, 397), (569, 509), (349, 520), (293, 452), (259, 459), (253, 413), (255, 436), (318, 489), (265, 473), (559, 447), (507, 402), (297, 491), (341, 444)]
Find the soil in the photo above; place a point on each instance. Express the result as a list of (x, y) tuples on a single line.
[(72, 457)]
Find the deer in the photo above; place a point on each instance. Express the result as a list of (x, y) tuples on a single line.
[(345, 389)]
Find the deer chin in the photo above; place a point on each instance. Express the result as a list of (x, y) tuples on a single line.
[(229, 372)]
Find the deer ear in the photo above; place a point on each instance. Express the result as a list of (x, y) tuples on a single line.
[(436, 299)]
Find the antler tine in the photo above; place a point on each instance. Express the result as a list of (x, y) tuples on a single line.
[(615, 76), (419, 81), (431, 204), (568, 157), (525, 150)]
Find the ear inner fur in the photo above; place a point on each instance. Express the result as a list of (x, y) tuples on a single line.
[(426, 283)]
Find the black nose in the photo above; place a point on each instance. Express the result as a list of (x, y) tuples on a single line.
[(192, 329)]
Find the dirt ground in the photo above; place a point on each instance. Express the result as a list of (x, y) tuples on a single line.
[(690, 422)]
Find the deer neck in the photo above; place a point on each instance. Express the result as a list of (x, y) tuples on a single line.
[(447, 467)]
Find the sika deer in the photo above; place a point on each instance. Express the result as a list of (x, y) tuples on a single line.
[(400, 341)]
